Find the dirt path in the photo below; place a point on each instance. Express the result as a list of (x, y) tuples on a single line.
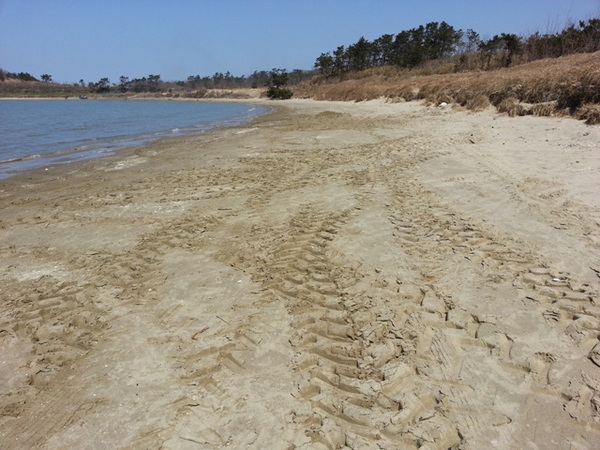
[(333, 275)]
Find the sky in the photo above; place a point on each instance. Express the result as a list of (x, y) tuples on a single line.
[(92, 39)]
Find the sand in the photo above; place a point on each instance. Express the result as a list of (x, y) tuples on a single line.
[(331, 275)]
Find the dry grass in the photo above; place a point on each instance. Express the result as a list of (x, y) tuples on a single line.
[(569, 85), (590, 113)]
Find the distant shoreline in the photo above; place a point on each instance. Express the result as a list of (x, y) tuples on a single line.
[(210, 94), (146, 99)]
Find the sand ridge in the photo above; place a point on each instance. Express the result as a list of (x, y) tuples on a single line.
[(332, 275)]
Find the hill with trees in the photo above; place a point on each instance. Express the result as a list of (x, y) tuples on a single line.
[(543, 74)]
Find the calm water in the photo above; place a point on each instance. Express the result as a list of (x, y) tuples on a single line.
[(38, 133)]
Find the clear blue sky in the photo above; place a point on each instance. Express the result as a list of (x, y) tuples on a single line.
[(91, 39)]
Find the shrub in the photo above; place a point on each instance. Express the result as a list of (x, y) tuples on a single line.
[(510, 106), (590, 113), (545, 109), (277, 93), (478, 102)]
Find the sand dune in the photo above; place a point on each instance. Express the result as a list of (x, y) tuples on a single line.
[(332, 275)]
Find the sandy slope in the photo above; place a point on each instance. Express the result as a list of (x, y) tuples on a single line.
[(333, 275)]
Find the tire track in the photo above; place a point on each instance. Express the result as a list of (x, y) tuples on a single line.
[(433, 235), (396, 378), (347, 357), (63, 315), (49, 326)]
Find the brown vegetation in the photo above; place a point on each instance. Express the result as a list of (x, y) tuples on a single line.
[(569, 85)]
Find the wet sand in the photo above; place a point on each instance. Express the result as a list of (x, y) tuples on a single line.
[(330, 275)]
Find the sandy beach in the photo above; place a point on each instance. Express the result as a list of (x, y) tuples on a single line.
[(329, 276)]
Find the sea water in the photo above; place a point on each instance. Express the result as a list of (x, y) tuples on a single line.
[(39, 133)]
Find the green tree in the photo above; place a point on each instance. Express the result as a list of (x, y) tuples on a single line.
[(103, 85), (325, 64), (123, 81), (383, 48), (279, 78), (359, 55), (512, 46), (46, 78), (507, 46), (340, 60), (414, 53), (440, 40)]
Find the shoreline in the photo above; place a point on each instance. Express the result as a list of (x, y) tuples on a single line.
[(327, 274), (62, 157), (103, 162)]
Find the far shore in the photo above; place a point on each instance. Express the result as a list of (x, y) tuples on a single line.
[(237, 94)]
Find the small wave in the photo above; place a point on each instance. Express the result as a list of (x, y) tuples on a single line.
[(19, 159)]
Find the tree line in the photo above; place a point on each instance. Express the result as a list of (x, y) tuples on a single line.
[(433, 41), (154, 83)]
